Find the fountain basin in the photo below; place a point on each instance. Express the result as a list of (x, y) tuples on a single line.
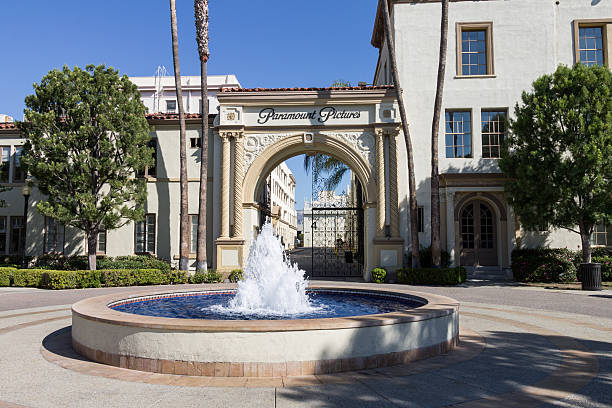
[(264, 348)]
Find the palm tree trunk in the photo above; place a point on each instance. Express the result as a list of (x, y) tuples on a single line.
[(184, 226), (435, 126), (201, 22), (414, 228)]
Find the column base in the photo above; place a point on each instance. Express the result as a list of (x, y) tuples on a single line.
[(229, 255), (388, 254)]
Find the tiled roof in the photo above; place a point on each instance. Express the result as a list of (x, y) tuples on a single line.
[(8, 125), (174, 116), (344, 88)]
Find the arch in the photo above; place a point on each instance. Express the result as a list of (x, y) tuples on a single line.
[(294, 145), (497, 206)]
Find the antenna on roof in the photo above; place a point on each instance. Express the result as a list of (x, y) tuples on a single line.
[(160, 73)]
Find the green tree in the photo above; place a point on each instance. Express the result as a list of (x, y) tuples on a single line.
[(201, 22), (326, 169), (558, 157), (86, 136)]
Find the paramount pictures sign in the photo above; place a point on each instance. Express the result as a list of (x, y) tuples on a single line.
[(312, 116)]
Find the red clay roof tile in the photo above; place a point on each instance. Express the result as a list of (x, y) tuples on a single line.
[(344, 88)]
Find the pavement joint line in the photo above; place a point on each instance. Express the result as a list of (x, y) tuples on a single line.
[(547, 316), (9, 329), (577, 368), (35, 313)]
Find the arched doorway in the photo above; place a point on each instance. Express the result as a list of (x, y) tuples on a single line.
[(478, 234), (333, 227)]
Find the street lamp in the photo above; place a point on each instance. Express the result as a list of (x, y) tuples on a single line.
[(26, 190)]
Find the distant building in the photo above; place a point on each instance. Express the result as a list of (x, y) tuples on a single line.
[(6, 118), (282, 204), (324, 226)]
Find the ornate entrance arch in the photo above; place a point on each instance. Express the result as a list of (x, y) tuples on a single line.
[(259, 129)]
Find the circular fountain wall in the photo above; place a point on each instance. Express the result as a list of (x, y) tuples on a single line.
[(427, 326)]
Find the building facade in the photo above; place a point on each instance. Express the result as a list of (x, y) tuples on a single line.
[(496, 49), (283, 217)]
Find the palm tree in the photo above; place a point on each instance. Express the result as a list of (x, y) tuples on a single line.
[(184, 227), (435, 125), (333, 168), (414, 228), (201, 22)]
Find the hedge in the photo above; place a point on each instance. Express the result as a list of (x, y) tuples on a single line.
[(52, 279), (556, 264), (432, 276), (76, 263)]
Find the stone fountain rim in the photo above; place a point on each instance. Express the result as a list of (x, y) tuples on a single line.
[(96, 309)]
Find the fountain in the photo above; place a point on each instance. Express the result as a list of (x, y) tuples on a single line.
[(271, 324), (271, 285)]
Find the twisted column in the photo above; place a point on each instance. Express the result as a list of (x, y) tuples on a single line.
[(225, 184), (238, 180), (393, 193), (380, 179)]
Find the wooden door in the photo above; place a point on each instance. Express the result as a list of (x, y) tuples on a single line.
[(478, 235)]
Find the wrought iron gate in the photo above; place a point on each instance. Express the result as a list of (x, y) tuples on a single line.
[(336, 229), (337, 242)]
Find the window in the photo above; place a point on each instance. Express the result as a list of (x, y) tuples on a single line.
[(591, 41), (17, 236), (196, 142), (145, 235), (194, 233), (18, 173), (493, 133), (421, 218), (2, 235), (5, 156), (101, 242), (54, 236), (474, 49), (590, 44), (600, 236), (458, 134), (171, 106)]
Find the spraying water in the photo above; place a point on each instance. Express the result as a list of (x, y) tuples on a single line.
[(271, 284)]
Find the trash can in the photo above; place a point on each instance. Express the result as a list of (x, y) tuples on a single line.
[(591, 276)]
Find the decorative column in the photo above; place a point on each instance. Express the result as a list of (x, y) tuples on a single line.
[(238, 181), (380, 181), (225, 184), (393, 193)]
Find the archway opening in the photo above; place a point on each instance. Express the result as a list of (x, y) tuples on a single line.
[(315, 202)]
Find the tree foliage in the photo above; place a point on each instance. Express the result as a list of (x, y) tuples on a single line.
[(87, 136), (558, 157)]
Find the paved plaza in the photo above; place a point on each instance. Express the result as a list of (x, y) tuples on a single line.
[(520, 347)]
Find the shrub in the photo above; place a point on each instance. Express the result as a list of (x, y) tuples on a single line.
[(209, 277), (425, 258), (544, 265), (379, 275), (30, 278), (235, 276), (6, 274), (77, 263), (133, 262), (432, 276), (12, 261), (606, 266)]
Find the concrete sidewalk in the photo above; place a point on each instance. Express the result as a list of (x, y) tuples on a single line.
[(512, 354)]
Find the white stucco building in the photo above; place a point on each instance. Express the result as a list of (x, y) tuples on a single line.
[(281, 184), (496, 49)]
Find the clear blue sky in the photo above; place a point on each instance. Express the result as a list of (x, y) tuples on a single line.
[(266, 43)]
